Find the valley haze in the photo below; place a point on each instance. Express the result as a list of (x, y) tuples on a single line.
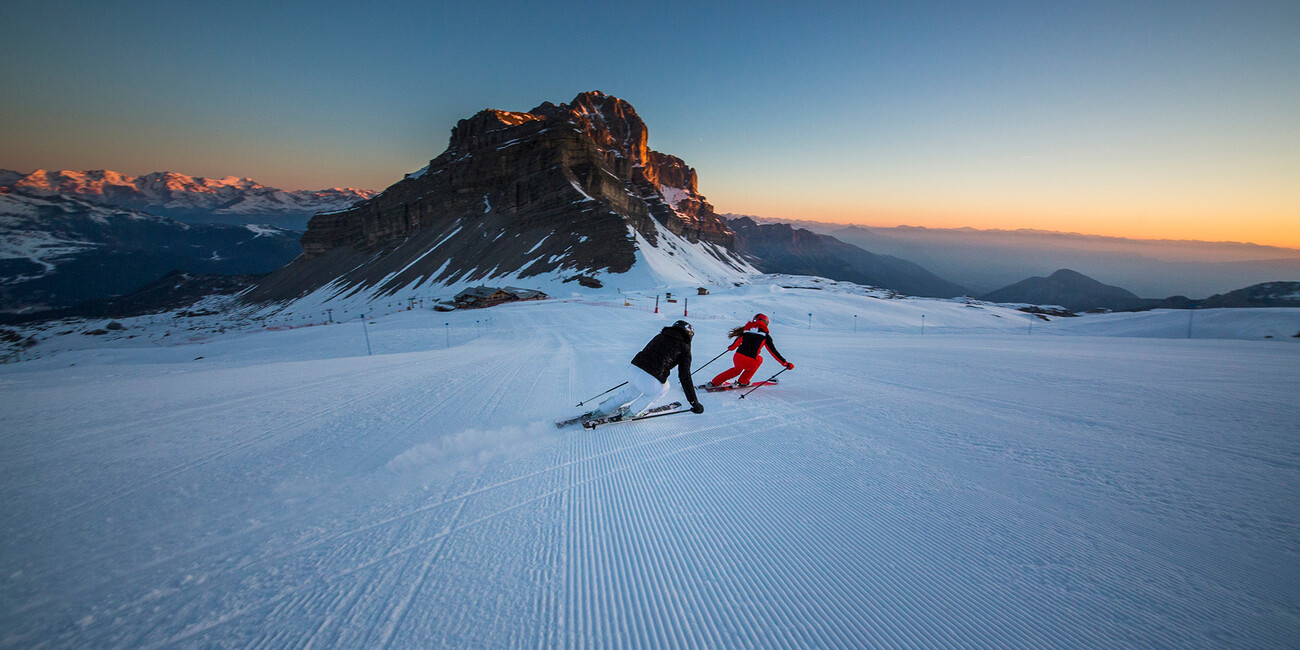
[(985, 260)]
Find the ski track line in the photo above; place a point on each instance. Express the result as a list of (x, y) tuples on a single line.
[(439, 540), (480, 490), (778, 568), (220, 453), (459, 499), (389, 630), (299, 549), (291, 593), (224, 541), (436, 539), (580, 632), (224, 406), (288, 596), (1041, 547), (632, 544), (1292, 462), (689, 544), (1037, 460), (967, 485), (794, 614), (831, 623), (605, 547)]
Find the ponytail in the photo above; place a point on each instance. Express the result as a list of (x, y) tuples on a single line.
[(751, 325)]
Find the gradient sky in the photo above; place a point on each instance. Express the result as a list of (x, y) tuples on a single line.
[(1176, 120)]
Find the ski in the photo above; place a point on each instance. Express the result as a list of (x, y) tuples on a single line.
[(577, 418), (718, 389), (654, 412)]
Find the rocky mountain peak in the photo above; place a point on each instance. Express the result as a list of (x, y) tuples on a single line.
[(610, 122), (567, 188)]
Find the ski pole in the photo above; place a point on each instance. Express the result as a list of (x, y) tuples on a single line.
[(710, 361), (763, 383), (656, 415), (610, 390)]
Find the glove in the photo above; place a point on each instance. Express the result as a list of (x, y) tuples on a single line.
[(697, 408), (789, 366)]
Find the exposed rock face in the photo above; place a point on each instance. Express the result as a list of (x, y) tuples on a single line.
[(552, 190)]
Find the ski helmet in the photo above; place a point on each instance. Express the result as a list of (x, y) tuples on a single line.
[(685, 327), (762, 318)]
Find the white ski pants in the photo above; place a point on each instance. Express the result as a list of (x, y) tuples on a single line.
[(641, 392)]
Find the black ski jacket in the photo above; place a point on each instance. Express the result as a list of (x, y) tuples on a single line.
[(670, 347), (751, 345)]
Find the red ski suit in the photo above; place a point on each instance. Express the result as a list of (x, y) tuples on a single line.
[(749, 350)]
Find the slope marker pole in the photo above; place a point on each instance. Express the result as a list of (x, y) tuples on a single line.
[(366, 330)]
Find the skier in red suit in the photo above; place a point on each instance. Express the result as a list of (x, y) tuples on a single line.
[(751, 338)]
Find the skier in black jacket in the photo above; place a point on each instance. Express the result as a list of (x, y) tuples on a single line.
[(648, 374)]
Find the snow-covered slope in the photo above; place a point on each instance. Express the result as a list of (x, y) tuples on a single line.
[(976, 485), (671, 262)]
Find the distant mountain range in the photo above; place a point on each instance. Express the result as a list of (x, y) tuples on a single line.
[(57, 250), (986, 260), (1070, 289), (1079, 293), (73, 236), (1266, 294), (781, 248), (191, 199)]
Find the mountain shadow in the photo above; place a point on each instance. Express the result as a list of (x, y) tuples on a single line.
[(781, 248)]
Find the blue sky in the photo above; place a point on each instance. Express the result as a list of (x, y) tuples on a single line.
[(1165, 119)]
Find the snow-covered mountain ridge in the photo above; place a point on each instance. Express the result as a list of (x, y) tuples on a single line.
[(189, 198)]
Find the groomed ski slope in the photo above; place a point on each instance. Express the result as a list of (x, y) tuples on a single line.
[(977, 486)]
